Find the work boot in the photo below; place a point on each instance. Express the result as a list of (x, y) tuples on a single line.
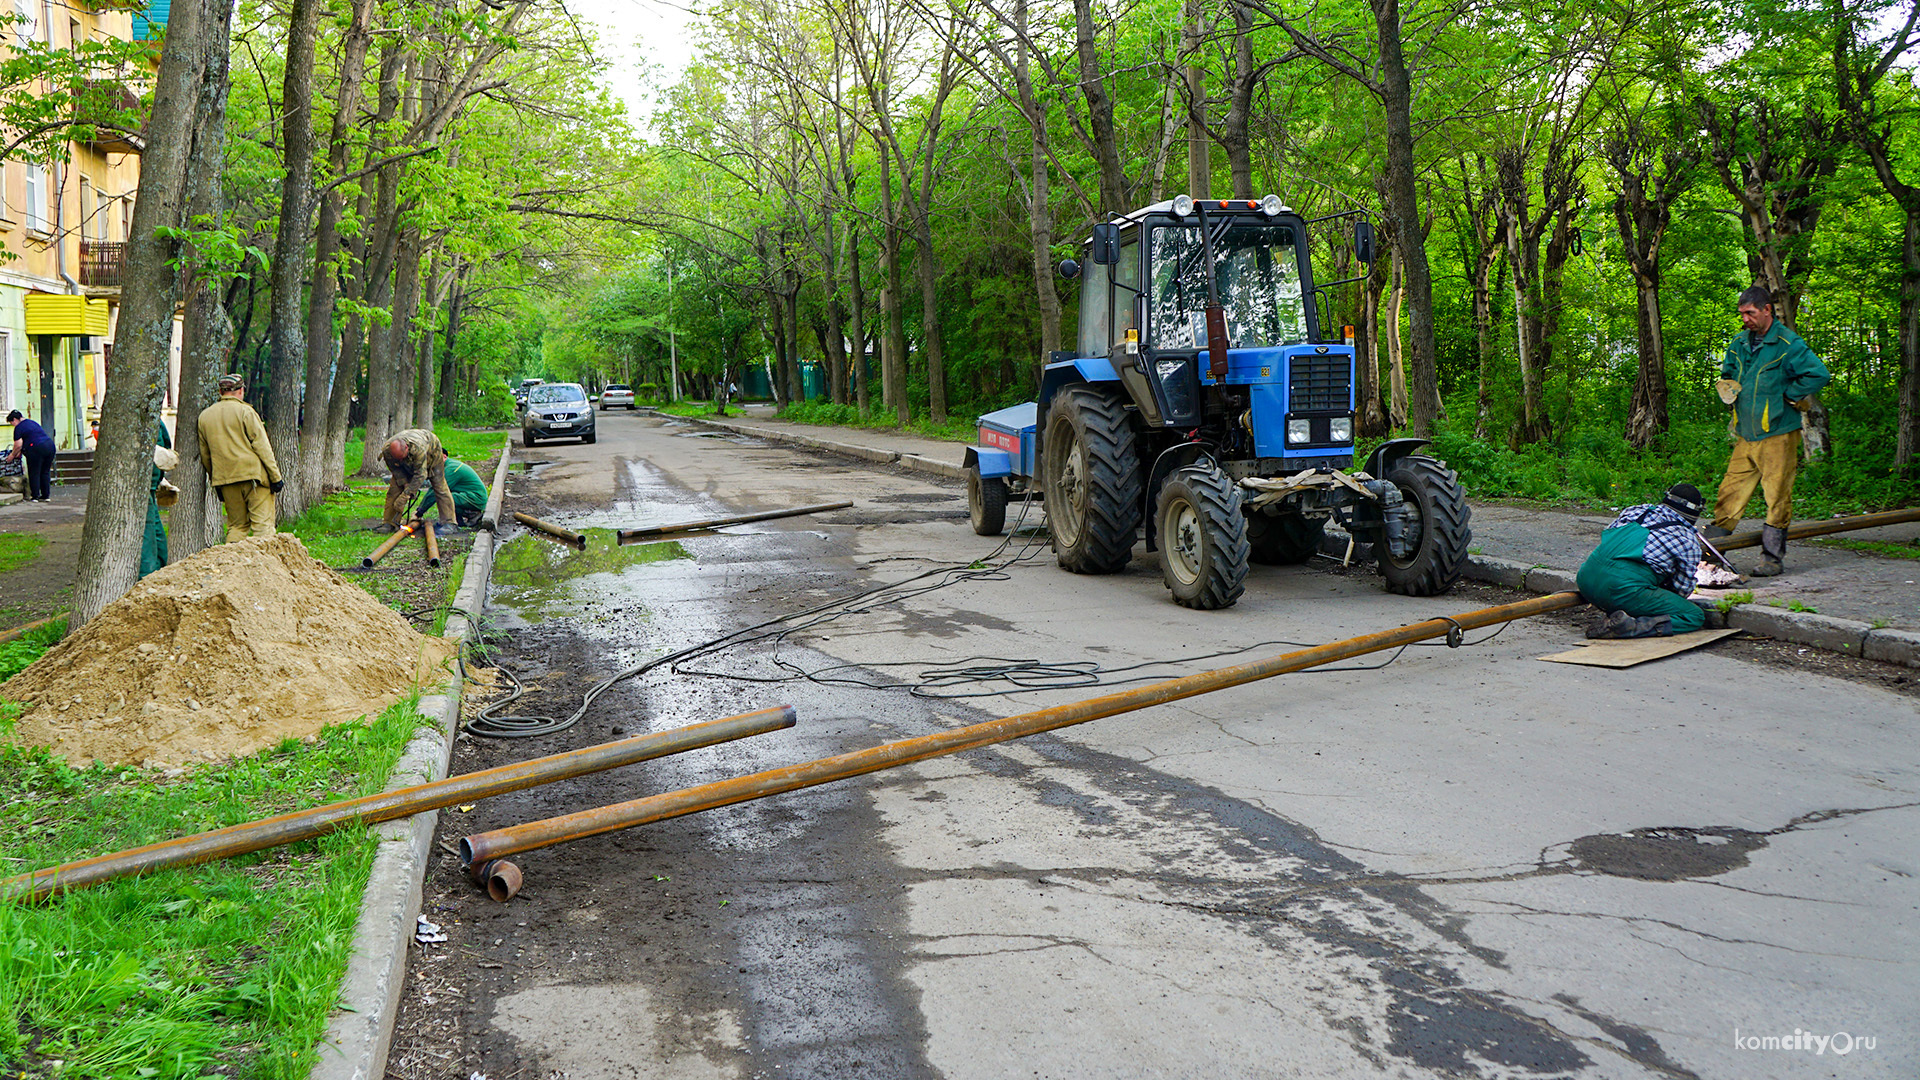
[(1715, 532), (1648, 626), (1773, 552), (1609, 625)]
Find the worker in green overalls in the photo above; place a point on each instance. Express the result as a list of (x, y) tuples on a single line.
[(153, 546), (469, 493), (1643, 571)]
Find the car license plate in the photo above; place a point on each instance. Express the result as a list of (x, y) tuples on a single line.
[(561, 424)]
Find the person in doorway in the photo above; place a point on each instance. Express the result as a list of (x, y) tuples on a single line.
[(153, 546), (239, 461), (469, 493), (1642, 573), (1769, 376), (31, 442), (415, 460)]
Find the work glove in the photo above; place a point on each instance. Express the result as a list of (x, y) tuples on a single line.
[(1728, 389), (276, 486)]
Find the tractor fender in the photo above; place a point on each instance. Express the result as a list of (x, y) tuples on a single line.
[(1058, 375), (1388, 454), (989, 460), (1177, 456)]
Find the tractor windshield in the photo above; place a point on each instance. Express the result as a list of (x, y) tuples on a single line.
[(1256, 269)]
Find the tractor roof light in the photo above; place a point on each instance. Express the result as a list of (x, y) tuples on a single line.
[(1182, 205), (1271, 206)]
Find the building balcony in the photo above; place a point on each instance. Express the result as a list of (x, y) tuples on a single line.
[(113, 109), (101, 266)]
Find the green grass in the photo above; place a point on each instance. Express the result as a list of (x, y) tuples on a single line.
[(233, 966), (15, 655), (1732, 600), (1908, 550), (19, 549), (958, 427), (1794, 605)]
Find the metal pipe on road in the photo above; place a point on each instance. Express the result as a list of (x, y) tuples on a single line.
[(389, 544), (1822, 528), (565, 536), (646, 536), (483, 848), (433, 544), (320, 820)]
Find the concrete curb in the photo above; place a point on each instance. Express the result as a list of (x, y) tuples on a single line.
[(1808, 628), (361, 1029)]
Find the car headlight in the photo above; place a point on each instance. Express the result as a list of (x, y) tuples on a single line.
[(1342, 429), (1297, 431)]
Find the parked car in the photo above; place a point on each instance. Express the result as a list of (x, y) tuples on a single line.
[(557, 410), (617, 394), (520, 392)]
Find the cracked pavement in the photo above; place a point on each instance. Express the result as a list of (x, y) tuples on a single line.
[(1464, 864)]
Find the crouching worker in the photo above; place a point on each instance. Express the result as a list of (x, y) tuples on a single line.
[(469, 493), (1642, 573), (415, 460)]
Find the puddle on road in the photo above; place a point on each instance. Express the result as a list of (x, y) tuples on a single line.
[(538, 579), (527, 468), (1670, 853)]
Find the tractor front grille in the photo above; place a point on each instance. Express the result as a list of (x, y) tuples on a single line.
[(1318, 382)]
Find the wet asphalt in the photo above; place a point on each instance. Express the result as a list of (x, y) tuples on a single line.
[(1466, 863)]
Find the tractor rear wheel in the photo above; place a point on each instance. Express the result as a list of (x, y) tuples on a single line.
[(1444, 523), (986, 502), (1092, 477), (1284, 539), (1203, 538)]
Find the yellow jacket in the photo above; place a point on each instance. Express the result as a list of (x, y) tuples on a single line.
[(233, 444)]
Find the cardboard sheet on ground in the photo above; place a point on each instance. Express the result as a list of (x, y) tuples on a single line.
[(1630, 651)]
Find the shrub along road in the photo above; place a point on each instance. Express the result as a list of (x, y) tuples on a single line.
[(1464, 863)]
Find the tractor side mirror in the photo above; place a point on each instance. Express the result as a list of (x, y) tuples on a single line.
[(1363, 240), (1069, 269), (1106, 244)]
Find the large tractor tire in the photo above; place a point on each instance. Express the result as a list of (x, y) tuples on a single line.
[(986, 502), (1445, 524), (1284, 539), (1203, 538), (1092, 482)]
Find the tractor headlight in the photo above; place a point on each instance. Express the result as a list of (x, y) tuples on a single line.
[(1298, 432), (1182, 205), (1342, 429), (1271, 206)]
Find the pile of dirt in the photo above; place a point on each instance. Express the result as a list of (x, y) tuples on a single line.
[(223, 654)]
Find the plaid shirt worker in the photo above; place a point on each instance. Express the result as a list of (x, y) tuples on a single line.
[(1673, 547)]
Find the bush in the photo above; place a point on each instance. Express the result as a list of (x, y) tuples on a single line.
[(493, 408), (647, 393)]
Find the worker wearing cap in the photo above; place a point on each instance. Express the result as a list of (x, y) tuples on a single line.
[(239, 461), (1642, 573), (469, 493), (415, 460), (1769, 376)]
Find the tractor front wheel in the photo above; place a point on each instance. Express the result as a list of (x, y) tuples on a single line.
[(986, 502), (1284, 539), (1203, 538), (1443, 521), (1092, 481)]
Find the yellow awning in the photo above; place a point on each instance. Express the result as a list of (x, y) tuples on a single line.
[(65, 316)]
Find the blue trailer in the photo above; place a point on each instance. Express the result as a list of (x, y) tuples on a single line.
[(1203, 407)]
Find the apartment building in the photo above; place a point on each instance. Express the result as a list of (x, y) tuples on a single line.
[(64, 222)]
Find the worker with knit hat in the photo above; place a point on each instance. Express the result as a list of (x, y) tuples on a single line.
[(1643, 571)]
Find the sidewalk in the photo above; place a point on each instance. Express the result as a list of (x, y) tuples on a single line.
[(1852, 602)]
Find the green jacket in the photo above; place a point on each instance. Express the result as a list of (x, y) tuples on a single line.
[(1782, 370), (469, 491)]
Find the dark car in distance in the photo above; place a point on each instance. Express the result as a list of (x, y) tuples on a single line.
[(555, 411)]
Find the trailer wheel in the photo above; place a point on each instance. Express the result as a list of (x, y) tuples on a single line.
[(1444, 523), (1203, 538), (986, 502), (1092, 482), (1284, 539)]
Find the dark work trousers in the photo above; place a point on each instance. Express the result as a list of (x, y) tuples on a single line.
[(39, 471)]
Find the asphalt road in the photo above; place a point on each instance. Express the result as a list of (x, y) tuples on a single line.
[(1467, 863)]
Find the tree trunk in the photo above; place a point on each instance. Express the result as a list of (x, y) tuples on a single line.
[(1372, 418), (287, 351), (1236, 136), (1523, 261), (376, 267), (117, 497), (1104, 143), (346, 384), (423, 391), (857, 294), (1039, 192), (1404, 208), (1907, 442), (1396, 355), (1199, 149), (406, 305)]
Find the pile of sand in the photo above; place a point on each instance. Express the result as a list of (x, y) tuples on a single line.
[(230, 651)]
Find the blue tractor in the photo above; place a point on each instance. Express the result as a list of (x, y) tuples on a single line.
[(1202, 401)]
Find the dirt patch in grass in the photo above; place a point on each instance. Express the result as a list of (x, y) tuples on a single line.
[(233, 650)]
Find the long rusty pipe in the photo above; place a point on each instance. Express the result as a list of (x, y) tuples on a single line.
[(643, 536), (320, 820), (486, 847), (433, 543), (389, 544), (565, 536), (1822, 528)]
